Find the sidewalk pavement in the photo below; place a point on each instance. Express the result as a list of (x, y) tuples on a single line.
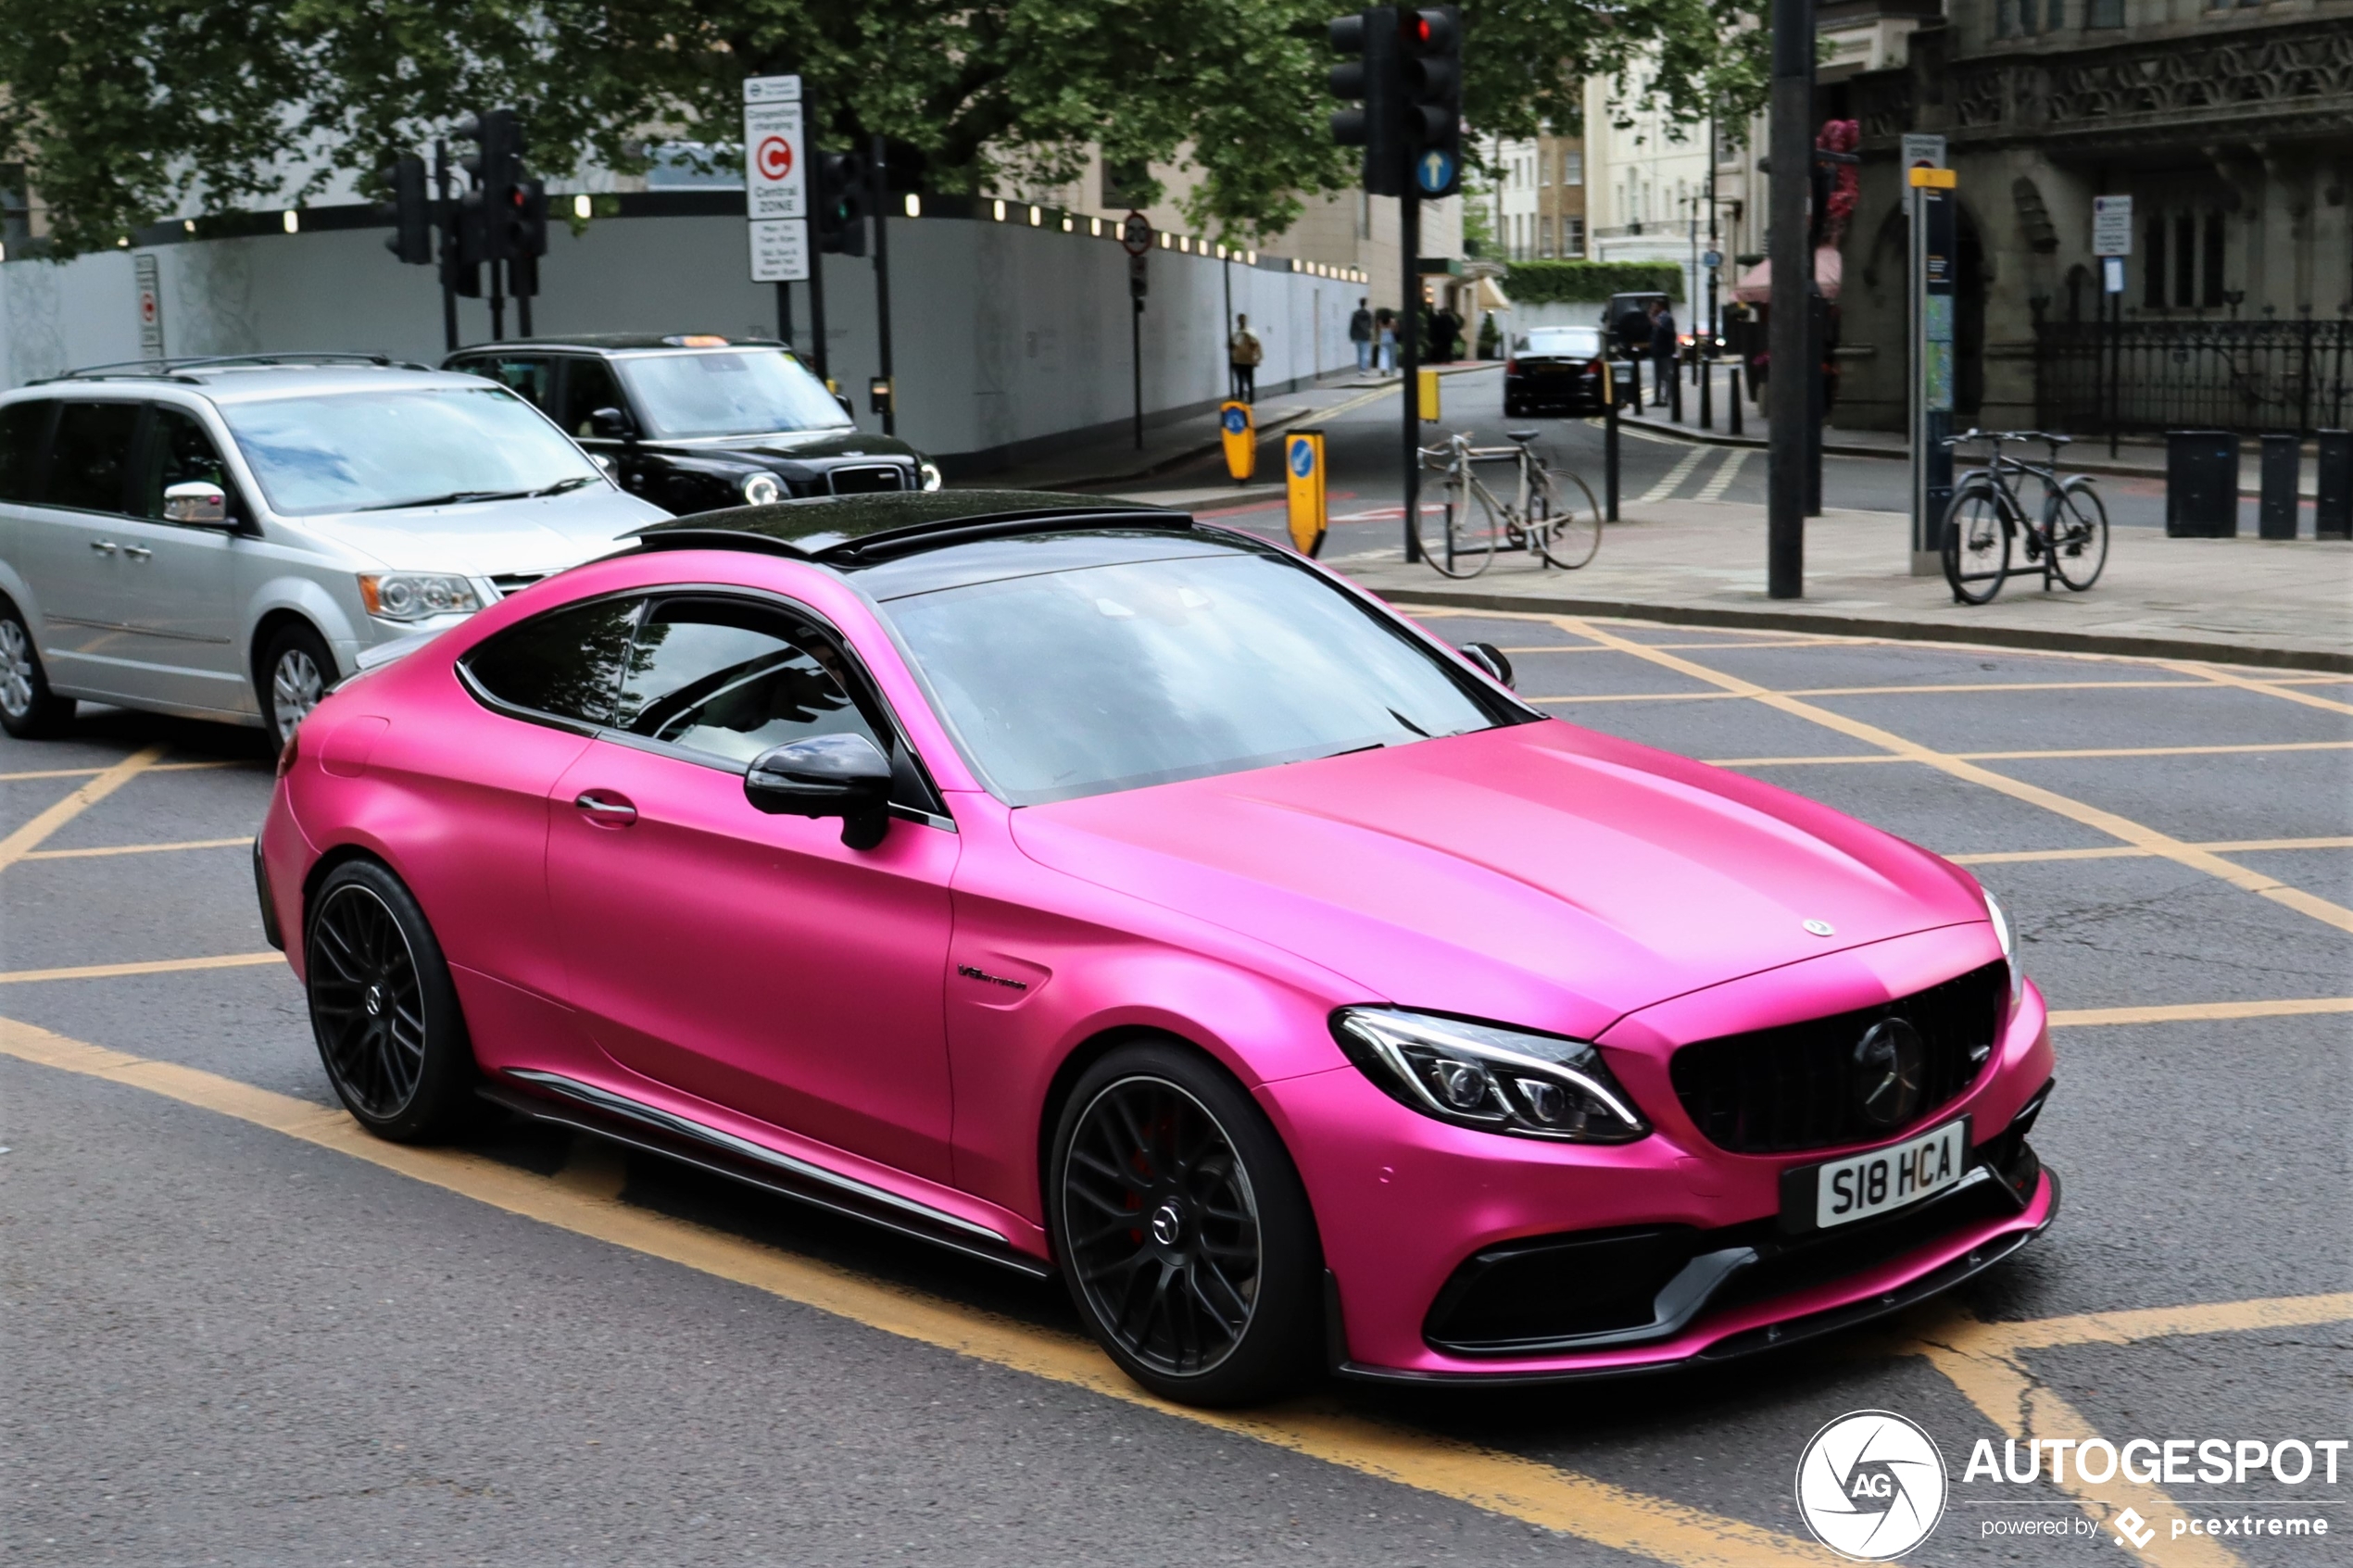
[(2236, 601)]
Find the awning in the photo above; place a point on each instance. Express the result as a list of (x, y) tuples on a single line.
[(1756, 286), (1492, 297)]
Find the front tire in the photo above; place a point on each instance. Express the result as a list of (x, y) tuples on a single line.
[(296, 671), (382, 1008), (1183, 1230), (2076, 530), (1976, 544), (29, 709)]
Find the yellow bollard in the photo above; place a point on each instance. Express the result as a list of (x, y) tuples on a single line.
[(1237, 428), (1303, 480)]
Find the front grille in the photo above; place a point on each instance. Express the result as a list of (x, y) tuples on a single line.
[(515, 582), (1773, 1091), (869, 481)]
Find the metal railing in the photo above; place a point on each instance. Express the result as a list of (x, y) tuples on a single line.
[(2246, 376)]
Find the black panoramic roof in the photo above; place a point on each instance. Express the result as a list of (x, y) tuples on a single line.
[(610, 343), (852, 531)]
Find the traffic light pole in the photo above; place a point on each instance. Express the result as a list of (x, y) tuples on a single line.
[(784, 314), (882, 285), (1409, 361), (448, 237), (1792, 287)]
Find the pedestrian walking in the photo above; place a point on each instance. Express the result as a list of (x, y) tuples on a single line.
[(1384, 333), (1360, 332), (1243, 352), (1445, 327), (1663, 347)]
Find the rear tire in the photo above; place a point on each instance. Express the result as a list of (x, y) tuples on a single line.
[(296, 671), (1183, 1230), (382, 1009), (1977, 542), (1573, 531), (2076, 530), (29, 709)]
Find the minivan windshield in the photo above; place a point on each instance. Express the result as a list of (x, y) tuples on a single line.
[(727, 392), (1074, 682), (387, 447)]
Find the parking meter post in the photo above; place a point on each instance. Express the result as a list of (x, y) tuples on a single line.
[(882, 281)]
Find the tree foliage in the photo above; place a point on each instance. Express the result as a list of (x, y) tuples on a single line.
[(127, 110)]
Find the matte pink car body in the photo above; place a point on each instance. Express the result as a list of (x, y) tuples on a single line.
[(852, 1009)]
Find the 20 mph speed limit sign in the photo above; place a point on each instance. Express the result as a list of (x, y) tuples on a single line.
[(1136, 233)]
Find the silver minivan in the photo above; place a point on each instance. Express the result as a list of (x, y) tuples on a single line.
[(222, 538)]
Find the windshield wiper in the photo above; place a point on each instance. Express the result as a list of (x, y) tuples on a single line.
[(465, 497), (1351, 750)]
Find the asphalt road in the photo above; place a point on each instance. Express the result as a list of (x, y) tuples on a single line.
[(234, 1330)]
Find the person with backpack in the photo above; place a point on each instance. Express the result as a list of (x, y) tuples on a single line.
[(1243, 354), (1360, 332)]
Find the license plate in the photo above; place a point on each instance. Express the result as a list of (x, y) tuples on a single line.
[(1864, 1185)]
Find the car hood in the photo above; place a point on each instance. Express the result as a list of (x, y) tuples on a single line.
[(1539, 874), (799, 446), (494, 538)]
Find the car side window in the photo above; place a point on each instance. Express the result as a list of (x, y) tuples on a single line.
[(23, 426), (178, 452), (566, 664), (589, 385), (90, 459), (528, 376), (731, 680)]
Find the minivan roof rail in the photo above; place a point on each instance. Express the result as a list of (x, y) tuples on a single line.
[(174, 369)]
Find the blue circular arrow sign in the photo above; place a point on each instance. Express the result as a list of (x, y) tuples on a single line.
[(1234, 421), (1434, 171), (1302, 457)]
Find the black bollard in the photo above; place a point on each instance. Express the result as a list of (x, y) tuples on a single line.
[(2283, 466)]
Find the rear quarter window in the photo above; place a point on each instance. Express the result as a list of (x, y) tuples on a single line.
[(565, 665), (23, 428)]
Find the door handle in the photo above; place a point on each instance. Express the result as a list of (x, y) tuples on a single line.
[(103, 547), (614, 812), (137, 552)]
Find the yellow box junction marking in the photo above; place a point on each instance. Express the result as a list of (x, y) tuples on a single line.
[(28, 838), (152, 966), (136, 849)]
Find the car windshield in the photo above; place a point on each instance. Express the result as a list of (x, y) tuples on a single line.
[(1564, 341), (388, 447), (1076, 683), (728, 392)]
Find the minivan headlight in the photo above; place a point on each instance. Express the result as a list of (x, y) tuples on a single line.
[(930, 474), (1488, 1076), (416, 595), (2008, 939)]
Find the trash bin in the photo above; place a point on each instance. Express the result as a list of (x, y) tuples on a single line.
[(2283, 466), (2332, 511), (2201, 485)]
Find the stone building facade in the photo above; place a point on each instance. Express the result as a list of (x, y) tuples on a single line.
[(2230, 127)]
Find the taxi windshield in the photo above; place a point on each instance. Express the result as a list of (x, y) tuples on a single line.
[(728, 392)]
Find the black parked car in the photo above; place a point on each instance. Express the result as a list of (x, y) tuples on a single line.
[(1554, 370), (696, 421)]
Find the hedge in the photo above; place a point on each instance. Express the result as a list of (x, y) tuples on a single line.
[(1543, 282)]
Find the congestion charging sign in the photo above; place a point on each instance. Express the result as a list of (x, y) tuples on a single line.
[(775, 178)]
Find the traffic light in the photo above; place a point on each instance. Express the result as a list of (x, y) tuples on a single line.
[(844, 196), (1372, 78), (1430, 74), (523, 217), (411, 214)]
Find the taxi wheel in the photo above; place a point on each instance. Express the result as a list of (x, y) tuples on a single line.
[(383, 1008), (1183, 1230), (29, 710), (295, 673)]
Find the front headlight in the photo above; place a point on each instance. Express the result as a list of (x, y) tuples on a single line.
[(760, 488), (930, 472), (2008, 940), (1487, 1076), (416, 595)]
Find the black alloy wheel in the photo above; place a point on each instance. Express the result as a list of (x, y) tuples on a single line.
[(1183, 1230), (383, 1008), (29, 710)]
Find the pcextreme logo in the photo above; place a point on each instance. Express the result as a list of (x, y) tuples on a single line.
[(1870, 1486)]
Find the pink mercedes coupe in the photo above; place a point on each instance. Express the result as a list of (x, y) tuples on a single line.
[(1095, 891)]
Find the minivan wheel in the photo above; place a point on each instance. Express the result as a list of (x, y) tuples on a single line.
[(1183, 1230), (383, 1011), (29, 710), (296, 671)]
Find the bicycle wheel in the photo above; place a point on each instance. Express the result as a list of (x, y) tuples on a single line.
[(1977, 542), (1568, 521), (1467, 529), (2075, 532)]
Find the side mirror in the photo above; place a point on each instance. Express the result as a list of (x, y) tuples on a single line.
[(612, 424), (843, 777), (845, 405), (1489, 658), (197, 501)]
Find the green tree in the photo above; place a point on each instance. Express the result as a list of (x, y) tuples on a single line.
[(125, 110)]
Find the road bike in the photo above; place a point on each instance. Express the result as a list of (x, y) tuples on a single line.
[(1984, 519), (1550, 512)]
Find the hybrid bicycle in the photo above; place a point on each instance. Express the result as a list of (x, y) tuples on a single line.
[(1986, 518), (1549, 512)]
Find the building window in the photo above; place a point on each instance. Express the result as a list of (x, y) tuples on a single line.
[(1543, 167), (2186, 260), (2213, 296), (1572, 169), (2153, 268), (2103, 13), (1544, 236), (1573, 236)]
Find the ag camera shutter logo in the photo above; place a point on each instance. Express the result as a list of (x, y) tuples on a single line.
[(1870, 1486)]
